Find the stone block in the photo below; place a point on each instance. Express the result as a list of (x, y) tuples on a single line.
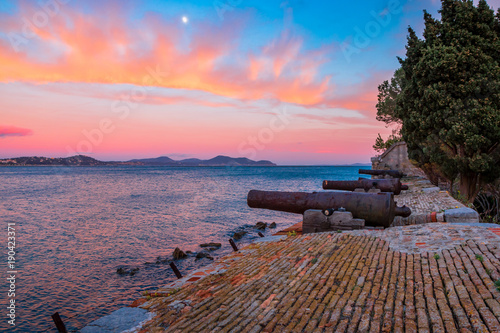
[(357, 223), (269, 239), (316, 221), (339, 218), (423, 182), (118, 321), (463, 214), (431, 189)]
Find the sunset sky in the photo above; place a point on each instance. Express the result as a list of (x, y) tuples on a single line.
[(294, 82)]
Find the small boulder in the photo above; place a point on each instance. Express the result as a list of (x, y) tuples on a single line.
[(121, 271), (272, 225), (239, 235), (261, 225), (160, 260), (125, 271), (178, 254), (201, 255), (217, 245)]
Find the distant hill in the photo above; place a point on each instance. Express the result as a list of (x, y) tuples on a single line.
[(81, 160), (347, 165), (191, 161), (225, 160), (78, 160), (163, 160), (216, 161), (360, 164)]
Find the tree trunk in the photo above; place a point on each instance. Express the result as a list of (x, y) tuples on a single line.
[(469, 186)]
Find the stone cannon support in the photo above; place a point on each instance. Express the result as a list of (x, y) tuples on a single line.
[(317, 221)]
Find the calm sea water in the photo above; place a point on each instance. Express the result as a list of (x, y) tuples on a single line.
[(75, 226)]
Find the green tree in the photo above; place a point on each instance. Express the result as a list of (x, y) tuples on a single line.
[(388, 93), (381, 145), (450, 97)]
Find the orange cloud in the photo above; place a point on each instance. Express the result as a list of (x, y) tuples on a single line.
[(106, 48)]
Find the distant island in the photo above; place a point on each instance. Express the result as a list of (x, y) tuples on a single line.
[(82, 160), (360, 164)]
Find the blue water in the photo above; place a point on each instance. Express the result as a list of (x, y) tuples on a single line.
[(76, 225)]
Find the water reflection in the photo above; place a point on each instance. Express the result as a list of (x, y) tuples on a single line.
[(76, 226)]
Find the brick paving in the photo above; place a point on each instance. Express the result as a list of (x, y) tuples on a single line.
[(342, 282), (432, 237), (422, 201), (423, 198), (421, 277)]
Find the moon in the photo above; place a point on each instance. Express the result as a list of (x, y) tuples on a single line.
[(185, 19)]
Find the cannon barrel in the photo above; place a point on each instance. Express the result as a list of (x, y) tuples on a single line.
[(378, 209), (392, 173), (384, 185)]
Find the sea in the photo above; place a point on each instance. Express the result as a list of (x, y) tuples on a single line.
[(73, 228)]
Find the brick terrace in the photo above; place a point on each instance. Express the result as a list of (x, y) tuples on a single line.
[(423, 198), (339, 282)]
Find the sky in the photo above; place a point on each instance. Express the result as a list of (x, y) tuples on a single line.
[(294, 82)]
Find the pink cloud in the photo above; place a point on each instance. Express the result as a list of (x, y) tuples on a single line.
[(6, 131), (362, 96)]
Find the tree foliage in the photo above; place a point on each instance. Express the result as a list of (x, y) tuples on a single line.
[(387, 97), (449, 99), (388, 92), (381, 145)]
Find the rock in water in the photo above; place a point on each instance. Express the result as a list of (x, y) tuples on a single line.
[(261, 225), (178, 254), (204, 255), (121, 271), (125, 271), (272, 225), (239, 235), (159, 260), (217, 245)]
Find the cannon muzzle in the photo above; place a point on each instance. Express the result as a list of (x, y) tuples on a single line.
[(377, 209)]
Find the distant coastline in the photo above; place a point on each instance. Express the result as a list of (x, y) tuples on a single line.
[(82, 160)]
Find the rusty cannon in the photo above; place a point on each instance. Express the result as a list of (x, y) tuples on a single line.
[(377, 209), (384, 185), (383, 173)]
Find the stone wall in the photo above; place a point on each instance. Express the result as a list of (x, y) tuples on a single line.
[(396, 158)]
